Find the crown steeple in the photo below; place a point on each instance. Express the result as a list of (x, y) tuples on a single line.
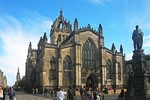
[(61, 26)]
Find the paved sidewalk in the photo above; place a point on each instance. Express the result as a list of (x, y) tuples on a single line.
[(106, 97), (25, 96)]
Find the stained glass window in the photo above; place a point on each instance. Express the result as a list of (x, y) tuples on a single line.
[(89, 54), (52, 71), (67, 63), (109, 69)]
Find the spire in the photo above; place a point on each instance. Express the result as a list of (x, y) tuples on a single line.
[(75, 24), (121, 49), (88, 26), (113, 48), (40, 41), (30, 47), (18, 76), (45, 38), (75, 21), (100, 30), (61, 14), (18, 70), (61, 11), (29, 50)]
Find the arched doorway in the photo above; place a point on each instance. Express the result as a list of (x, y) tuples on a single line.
[(92, 81)]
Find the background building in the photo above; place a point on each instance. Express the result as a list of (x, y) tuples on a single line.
[(18, 80), (3, 79), (73, 57)]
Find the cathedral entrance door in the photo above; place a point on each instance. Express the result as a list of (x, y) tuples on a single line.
[(91, 81)]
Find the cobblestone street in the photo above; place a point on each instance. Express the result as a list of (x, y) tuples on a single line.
[(24, 96)]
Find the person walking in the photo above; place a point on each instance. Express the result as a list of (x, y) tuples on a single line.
[(36, 91), (114, 90), (70, 94), (81, 92), (97, 94), (11, 94), (45, 92), (89, 94), (33, 91), (2, 97), (121, 95), (60, 95)]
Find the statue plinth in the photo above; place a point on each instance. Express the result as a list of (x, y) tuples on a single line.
[(139, 87), (138, 62)]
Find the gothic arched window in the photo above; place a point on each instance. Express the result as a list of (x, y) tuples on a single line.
[(89, 53), (67, 63), (109, 69), (52, 71), (119, 71)]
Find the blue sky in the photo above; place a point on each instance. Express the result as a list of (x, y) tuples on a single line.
[(22, 21)]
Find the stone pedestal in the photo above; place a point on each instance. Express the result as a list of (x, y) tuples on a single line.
[(138, 82)]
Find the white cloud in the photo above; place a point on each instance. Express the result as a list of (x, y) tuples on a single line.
[(146, 41), (15, 36), (129, 56)]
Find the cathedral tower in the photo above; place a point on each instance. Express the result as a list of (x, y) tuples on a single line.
[(60, 28)]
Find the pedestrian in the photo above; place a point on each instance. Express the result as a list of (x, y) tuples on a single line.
[(97, 94), (114, 90), (84, 93), (121, 95), (45, 92), (81, 92), (89, 95), (51, 92), (33, 91), (74, 89), (2, 95), (70, 94), (11, 94), (60, 95), (36, 91)]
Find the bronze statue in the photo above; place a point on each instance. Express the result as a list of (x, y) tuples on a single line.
[(137, 38)]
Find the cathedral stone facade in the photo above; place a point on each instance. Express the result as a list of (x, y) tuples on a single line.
[(74, 57)]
